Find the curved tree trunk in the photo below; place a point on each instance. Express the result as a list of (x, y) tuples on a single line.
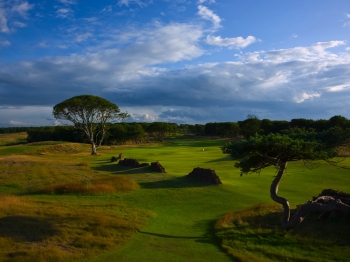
[(324, 204), (274, 190)]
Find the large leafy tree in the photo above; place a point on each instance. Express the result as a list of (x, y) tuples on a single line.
[(259, 152), (90, 114)]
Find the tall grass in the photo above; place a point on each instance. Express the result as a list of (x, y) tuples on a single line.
[(93, 210), (56, 230), (248, 235), (13, 138), (93, 187)]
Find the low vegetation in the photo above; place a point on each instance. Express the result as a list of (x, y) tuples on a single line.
[(13, 138), (93, 187), (59, 203), (61, 229), (248, 235)]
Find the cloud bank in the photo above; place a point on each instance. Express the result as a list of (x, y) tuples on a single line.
[(155, 72)]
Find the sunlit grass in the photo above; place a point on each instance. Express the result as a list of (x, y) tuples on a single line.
[(59, 203), (13, 138), (117, 184), (58, 230)]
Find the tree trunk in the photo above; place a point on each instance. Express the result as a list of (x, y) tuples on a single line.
[(323, 204), (93, 148), (274, 190)]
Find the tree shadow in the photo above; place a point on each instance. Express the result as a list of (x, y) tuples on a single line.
[(115, 169), (208, 237), (226, 158), (26, 228), (175, 182)]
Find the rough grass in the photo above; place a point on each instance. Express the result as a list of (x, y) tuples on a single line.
[(169, 217), (94, 187), (248, 235), (58, 230), (13, 138)]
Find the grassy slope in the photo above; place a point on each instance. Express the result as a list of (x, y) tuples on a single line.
[(185, 211)]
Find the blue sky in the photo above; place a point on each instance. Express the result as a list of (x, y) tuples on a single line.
[(177, 61)]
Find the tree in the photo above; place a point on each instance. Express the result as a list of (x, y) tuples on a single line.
[(250, 126), (89, 114), (277, 150), (159, 130)]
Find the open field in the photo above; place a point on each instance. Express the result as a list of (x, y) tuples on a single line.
[(59, 203)]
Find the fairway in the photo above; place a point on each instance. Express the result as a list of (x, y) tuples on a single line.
[(170, 217)]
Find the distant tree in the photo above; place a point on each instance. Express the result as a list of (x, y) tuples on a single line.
[(159, 130), (273, 126), (340, 121), (229, 129), (183, 128), (135, 132), (210, 129), (198, 129), (258, 152), (301, 123), (89, 114), (250, 127), (123, 116), (118, 133)]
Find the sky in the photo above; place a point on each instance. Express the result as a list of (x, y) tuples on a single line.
[(177, 61)]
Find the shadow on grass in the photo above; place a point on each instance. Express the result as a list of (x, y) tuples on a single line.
[(169, 236), (175, 182), (26, 228), (115, 168), (209, 236), (196, 142), (226, 158)]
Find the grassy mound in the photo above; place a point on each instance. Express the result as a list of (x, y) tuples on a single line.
[(59, 230), (13, 138), (65, 148), (117, 184), (248, 235)]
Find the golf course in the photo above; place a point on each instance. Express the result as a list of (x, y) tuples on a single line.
[(60, 203)]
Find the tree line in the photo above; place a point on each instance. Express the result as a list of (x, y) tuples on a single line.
[(139, 132)]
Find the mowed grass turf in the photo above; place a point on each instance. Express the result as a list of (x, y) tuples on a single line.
[(167, 218), (187, 211)]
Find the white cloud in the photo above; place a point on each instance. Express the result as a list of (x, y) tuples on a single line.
[(21, 8), (130, 69), (305, 96), (347, 23), (107, 9), (11, 10), (315, 52), (233, 43), (137, 2), (203, 1), (43, 45), (83, 37), (64, 12), (208, 14), (338, 88), (3, 21), (19, 24), (4, 43), (68, 2)]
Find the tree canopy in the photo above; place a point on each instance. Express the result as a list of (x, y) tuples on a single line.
[(259, 152), (88, 113)]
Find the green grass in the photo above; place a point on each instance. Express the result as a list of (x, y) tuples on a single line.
[(167, 217), (13, 139), (248, 235)]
